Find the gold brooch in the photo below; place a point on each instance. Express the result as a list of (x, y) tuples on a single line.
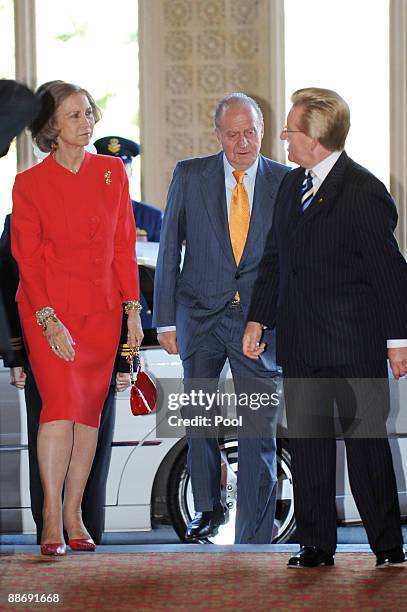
[(107, 176)]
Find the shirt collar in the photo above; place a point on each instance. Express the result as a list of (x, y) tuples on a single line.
[(230, 179), (323, 168)]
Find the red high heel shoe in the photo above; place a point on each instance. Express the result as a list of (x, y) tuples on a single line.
[(56, 550), (82, 544)]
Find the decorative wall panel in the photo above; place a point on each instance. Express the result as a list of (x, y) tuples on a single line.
[(192, 53)]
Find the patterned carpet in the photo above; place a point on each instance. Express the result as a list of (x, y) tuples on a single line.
[(165, 581)]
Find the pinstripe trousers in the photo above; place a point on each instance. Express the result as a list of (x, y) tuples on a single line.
[(370, 465), (257, 473)]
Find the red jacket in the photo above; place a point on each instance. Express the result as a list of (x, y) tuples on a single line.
[(73, 236)]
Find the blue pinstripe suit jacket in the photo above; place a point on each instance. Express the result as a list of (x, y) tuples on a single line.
[(193, 298)]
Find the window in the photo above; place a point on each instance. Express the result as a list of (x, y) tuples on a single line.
[(89, 43), (345, 46), (8, 165), (95, 44), (7, 68)]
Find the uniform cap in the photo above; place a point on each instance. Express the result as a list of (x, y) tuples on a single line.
[(118, 147), (18, 107)]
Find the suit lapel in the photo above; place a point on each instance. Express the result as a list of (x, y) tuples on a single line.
[(264, 194), (214, 197), (294, 200), (326, 194)]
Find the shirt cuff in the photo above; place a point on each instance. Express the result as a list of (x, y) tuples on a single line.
[(397, 343), (160, 330)]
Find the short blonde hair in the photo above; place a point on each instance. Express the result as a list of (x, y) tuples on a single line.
[(326, 116), (51, 95)]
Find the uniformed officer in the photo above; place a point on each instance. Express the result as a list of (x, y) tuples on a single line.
[(18, 106), (148, 218)]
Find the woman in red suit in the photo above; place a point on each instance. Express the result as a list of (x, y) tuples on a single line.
[(73, 236)]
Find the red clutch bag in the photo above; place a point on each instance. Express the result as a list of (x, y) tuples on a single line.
[(143, 392)]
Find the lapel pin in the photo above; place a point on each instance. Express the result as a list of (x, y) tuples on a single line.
[(320, 200), (107, 176)]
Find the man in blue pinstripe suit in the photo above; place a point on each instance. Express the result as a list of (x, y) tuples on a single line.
[(201, 310), (334, 284)]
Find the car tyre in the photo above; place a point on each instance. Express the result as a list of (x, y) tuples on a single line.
[(180, 500)]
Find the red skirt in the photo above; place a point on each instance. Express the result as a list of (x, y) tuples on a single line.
[(74, 390)]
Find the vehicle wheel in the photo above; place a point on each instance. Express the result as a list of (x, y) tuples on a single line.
[(181, 503)]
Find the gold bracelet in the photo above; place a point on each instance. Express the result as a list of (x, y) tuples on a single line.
[(132, 305), (45, 315)]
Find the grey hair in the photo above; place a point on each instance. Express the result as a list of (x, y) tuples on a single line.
[(236, 98), (51, 96)]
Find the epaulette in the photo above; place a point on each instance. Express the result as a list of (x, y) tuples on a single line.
[(124, 350), (16, 343)]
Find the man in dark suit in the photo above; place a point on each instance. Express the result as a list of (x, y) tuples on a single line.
[(221, 206), (18, 107), (148, 218), (334, 284)]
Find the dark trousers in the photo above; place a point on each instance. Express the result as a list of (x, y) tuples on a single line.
[(362, 400), (93, 504), (257, 473)]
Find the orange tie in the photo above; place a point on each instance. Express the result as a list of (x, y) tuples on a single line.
[(239, 217)]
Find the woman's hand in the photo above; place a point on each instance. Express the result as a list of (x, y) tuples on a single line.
[(18, 377), (122, 381), (60, 340), (134, 330)]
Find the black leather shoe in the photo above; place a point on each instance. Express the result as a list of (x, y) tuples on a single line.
[(310, 556), (205, 524), (387, 558)]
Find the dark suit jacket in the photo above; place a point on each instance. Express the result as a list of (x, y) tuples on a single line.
[(8, 288), (332, 279), (193, 299), (18, 107)]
